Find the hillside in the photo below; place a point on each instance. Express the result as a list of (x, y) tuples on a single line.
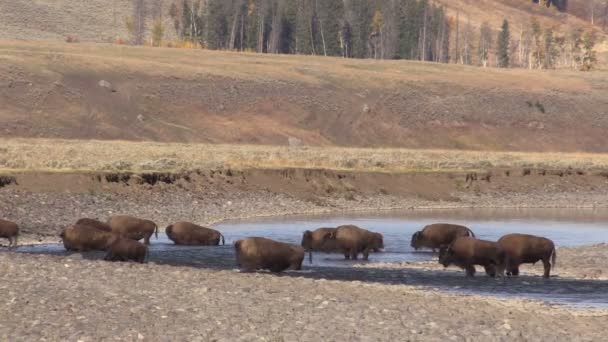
[(53, 90), (104, 21)]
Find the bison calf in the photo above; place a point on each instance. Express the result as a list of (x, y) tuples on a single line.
[(466, 252), (528, 249), (258, 253), (127, 250), (436, 235), (186, 233), (9, 230), (352, 240)]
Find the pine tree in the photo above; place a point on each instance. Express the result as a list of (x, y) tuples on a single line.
[(330, 14), (217, 24), (504, 38)]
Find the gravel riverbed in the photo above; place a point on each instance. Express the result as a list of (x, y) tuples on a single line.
[(76, 298)]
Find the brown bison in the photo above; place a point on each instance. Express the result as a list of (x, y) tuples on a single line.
[(466, 252), (526, 249), (319, 240), (126, 250), (94, 223), (133, 228), (352, 240), (9, 230), (83, 238), (439, 234), (186, 233), (258, 253)]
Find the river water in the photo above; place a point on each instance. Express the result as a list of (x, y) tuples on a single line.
[(564, 227)]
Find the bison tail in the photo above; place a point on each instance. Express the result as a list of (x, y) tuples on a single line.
[(223, 239), (156, 231), (553, 258), (471, 234)]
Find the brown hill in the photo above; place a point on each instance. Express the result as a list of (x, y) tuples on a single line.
[(55, 90)]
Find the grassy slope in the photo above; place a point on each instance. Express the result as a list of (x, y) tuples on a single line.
[(51, 90)]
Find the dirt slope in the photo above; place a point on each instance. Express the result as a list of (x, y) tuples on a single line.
[(52, 90)]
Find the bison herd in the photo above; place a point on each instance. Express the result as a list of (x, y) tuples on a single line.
[(119, 238)]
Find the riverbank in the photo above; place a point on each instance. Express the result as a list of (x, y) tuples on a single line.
[(83, 299), (42, 215), (87, 300)]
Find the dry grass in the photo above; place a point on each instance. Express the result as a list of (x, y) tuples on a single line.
[(30, 155)]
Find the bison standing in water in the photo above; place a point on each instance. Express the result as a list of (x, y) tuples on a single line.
[(9, 230), (84, 238), (528, 249), (352, 240), (320, 240), (466, 252), (257, 253), (186, 233), (436, 235), (127, 250), (133, 228)]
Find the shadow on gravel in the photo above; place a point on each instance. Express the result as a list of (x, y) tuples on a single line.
[(570, 292)]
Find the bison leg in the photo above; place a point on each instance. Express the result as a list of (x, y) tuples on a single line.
[(12, 242), (147, 239), (366, 254), (547, 266), (354, 254), (470, 270), (490, 270), (346, 254)]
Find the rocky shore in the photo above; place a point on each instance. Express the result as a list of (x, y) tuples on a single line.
[(74, 298)]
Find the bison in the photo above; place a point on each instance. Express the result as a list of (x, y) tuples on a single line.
[(133, 228), (319, 240), (126, 250), (525, 249), (186, 233), (352, 240), (466, 252), (257, 253), (94, 223), (439, 234), (9, 230), (83, 238)]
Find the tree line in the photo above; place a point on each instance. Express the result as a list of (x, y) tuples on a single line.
[(379, 29)]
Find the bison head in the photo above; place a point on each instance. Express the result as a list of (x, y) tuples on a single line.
[(377, 242), (416, 242), (307, 240), (446, 256)]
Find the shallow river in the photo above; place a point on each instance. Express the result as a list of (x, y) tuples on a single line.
[(564, 227)]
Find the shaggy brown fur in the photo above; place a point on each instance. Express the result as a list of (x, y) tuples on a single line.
[(466, 252), (186, 233), (439, 234), (528, 249), (352, 240), (127, 250), (133, 228), (258, 253), (9, 230)]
